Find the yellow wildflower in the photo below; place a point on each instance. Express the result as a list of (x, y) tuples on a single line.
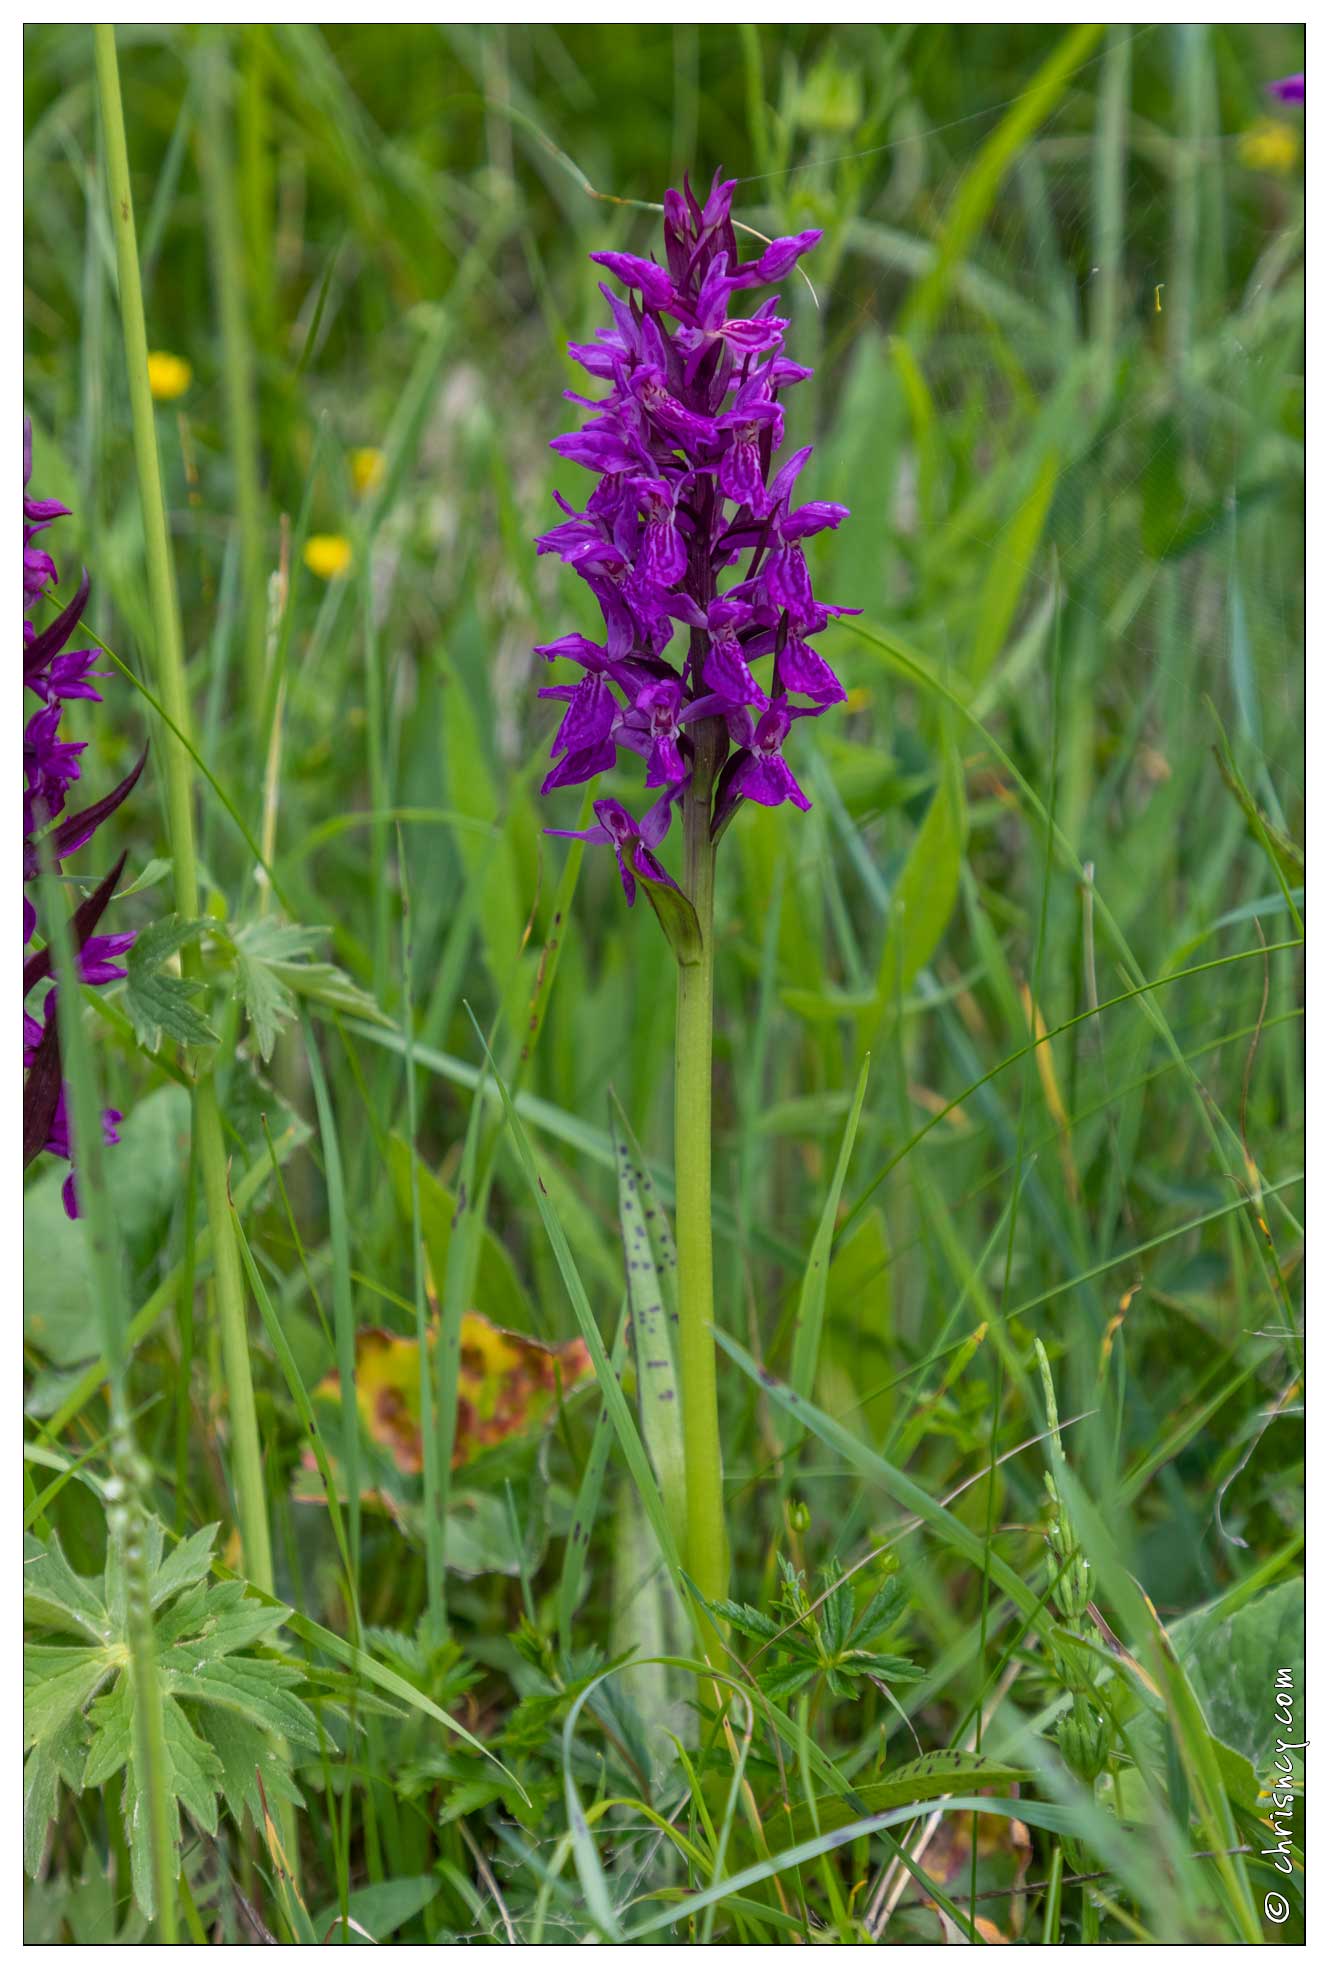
[(328, 555), (168, 376), (1269, 146), (367, 468)]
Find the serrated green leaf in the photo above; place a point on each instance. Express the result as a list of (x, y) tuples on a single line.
[(779, 1683), (274, 968), (748, 1620), (837, 1614), (245, 1752), (891, 1668), (189, 1562), (193, 1777), (56, 1761), (55, 1596), (881, 1610), (213, 1621), (257, 1690), (59, 1683), (157, 1001), (268, 1004), (112, 1721)]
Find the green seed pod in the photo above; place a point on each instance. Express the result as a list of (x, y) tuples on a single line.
[(1082, 1738), (798, 1515)]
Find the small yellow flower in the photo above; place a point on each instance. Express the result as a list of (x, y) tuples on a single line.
[(857, 699), (328, 555), (168, 376), (367, 469), (1269, 146)]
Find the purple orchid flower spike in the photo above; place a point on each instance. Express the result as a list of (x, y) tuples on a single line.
[(1288, 88), (683, 445), (51, 765)]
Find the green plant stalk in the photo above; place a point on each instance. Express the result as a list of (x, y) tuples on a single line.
[(130, 1475), (706, 1549), (237, 363), (247, 1467)]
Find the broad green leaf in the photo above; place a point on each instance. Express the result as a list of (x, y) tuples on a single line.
[(380, 1910), (498, 1289), (144, 1177), (1234, 1660)]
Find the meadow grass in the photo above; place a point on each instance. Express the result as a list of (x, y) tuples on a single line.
[(1007, 1050)]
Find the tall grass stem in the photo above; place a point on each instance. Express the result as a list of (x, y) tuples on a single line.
[(247, 1468), (219, 179)]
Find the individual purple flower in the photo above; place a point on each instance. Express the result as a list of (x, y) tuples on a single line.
[(1288, 88), (683, 444), (52, 765), (631, 843)]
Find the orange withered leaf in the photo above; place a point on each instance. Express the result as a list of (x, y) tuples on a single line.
[(507, 1384)]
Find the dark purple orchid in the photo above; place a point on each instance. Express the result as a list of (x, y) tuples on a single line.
[(682, 446), (51, 766), (1288, 88)]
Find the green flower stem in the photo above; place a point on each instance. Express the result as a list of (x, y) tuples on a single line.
[(247, 1467), (706, 1557)]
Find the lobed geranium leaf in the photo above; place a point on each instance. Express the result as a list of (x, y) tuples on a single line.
[(225, 1713), (274, 967)]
